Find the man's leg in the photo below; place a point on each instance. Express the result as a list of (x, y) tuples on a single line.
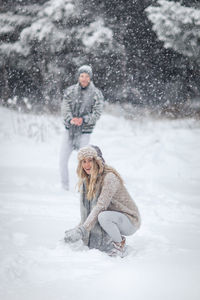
[(65, 152), (84, 140)]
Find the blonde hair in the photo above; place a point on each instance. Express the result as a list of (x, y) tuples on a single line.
[(95, 180)]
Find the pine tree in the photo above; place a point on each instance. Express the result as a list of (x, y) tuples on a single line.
[(177, 26), (50, 44)]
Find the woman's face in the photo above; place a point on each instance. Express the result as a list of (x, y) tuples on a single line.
[(87, 164)]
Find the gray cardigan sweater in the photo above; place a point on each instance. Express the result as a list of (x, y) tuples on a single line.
[(86, 103)]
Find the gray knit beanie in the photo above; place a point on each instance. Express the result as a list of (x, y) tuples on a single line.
[(85, 69)]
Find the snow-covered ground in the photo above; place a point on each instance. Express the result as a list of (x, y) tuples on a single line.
[(160, 163)]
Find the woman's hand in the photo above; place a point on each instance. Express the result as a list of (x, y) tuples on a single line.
[(75, 234)]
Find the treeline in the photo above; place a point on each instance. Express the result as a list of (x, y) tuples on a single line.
[(143, 52)]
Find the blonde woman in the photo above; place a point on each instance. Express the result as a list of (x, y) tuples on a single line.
[(108, 213)]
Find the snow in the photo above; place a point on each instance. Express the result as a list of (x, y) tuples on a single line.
[(96, 33), (169, 19), (57, 8), (9, 22), (160, 163), (43, 30)]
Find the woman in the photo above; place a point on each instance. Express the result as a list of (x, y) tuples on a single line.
[(107, 210)]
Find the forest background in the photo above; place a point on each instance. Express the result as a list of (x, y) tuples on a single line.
[(144, 53)]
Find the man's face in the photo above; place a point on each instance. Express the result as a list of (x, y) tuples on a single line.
[(84, 79)]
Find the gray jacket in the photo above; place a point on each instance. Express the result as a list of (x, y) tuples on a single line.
[(82, 102)]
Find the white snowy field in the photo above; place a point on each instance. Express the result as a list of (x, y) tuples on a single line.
[(160, 163)]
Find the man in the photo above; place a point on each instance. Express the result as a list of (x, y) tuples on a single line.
[(81, 108)]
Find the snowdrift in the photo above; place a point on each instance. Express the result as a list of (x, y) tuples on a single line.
[(160, 163)]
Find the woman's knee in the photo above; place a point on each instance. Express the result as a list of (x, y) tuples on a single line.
[(102, 217)]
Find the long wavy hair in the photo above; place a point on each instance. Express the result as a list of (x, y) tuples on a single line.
[(94, 181)]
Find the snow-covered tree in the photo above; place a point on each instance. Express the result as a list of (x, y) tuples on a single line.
[(43, 42), (55, 41), (11, 25), (177, 26)]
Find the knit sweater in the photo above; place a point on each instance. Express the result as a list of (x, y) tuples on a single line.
[(113, 196), (82, 102)]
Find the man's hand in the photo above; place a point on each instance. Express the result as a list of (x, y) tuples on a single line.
[(76, 121)]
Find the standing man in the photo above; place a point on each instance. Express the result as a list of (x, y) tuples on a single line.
[(81, 108)]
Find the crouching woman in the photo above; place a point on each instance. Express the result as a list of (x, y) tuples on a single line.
[(108, 213)]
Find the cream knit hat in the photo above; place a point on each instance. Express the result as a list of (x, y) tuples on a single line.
[(93, 152)]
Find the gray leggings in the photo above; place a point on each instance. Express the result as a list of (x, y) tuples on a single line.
[(116, 224)]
